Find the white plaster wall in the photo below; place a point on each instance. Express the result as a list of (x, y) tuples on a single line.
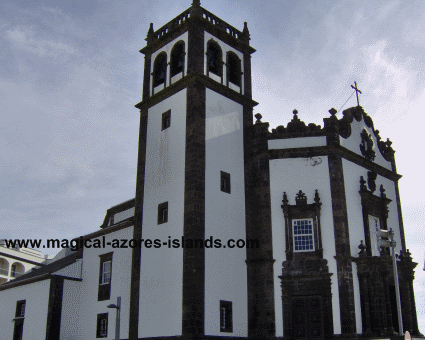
[(71, 310), (167, 48), (88, 289), (353, 142), (37, 298), (224, 48), (352, 173), (161, 275), (291, 176), (225, 269), (302, 142), (73, 270)]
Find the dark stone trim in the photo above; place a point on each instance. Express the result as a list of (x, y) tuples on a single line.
[(20, 259), (342, 245), (334, 150), (278, 134), (260, 274), (105, 231), (374, 206), (375, 281), (116, 209), (137, 231), (54, 310), (302, 210), (338, 127), (193, 317), (12, 284), (147, 76), (69, 278), (307, 279), (203, 25), (406, 276), (186, 81)]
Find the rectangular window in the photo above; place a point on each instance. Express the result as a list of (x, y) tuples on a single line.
[(225, 182), (102, 325), (166, 120), (20, 309), (105, 275), (303, 235), (19, 321), (106, 272), (226, 323), (163, 213), (375, 235)]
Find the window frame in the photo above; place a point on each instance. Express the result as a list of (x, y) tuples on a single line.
[(173, 58), (163, 207), (226, 318), (19, 305), (301, 210), (160, 60), (104, 289), (294, 235), (103, 281), (375, 206), (234, 69), (225, 184), (102, 317), (219, 55), (166, 120)]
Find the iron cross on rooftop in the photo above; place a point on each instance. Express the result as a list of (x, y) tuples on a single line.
[(357, 92)]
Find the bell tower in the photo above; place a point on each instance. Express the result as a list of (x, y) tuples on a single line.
[(194, 144)]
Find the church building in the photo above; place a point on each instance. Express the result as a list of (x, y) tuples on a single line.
[(294, 217)]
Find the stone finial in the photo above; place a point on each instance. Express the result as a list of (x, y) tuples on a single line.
[(300, 198), (285, 198), (150, 33), (258, 116), (362, 184), (333, 112), (316, 197), (245, 29), (196, 3), (382, 190), (362, 248), (295, 112), (388, 143)]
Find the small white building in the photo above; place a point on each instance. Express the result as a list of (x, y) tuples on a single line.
[(15, 261)]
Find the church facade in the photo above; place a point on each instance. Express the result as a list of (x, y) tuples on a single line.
[(313, 199)]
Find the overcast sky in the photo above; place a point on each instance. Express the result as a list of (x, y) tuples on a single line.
[(71, 73)]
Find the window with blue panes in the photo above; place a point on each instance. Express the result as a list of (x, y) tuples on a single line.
[(303, 235)]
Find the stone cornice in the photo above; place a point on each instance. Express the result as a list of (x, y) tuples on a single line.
[(184, 83), (334, 149), (204, 20)]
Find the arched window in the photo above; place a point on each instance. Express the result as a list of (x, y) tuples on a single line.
[(17, 269), (233, 69), (214, 58), (177, 58), (4, 267), (160, 69)]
